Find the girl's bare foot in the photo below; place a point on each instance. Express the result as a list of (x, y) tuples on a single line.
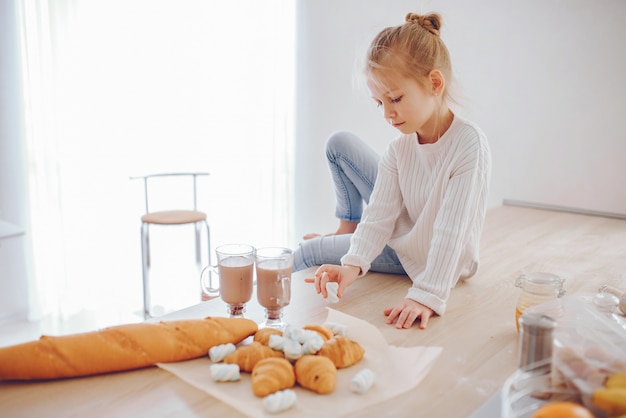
[(345, 227), (310, 236)]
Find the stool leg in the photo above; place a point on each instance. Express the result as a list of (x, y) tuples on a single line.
[(204, 296), (145, 268), (208, 242), (198, 254)]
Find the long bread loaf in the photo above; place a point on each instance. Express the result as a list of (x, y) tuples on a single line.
[(123, 347)]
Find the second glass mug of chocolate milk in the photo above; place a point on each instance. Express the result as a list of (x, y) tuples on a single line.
[(273, 283), (235, 269)]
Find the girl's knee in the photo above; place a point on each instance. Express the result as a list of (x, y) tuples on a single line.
[(341, 142)]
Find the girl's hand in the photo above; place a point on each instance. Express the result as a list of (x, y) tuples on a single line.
[(344, 275), (407, 312)]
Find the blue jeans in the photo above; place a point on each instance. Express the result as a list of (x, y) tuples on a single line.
[(353, 168)]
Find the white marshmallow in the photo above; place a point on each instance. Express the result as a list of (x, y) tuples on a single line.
[(225, 372), (362, 381), (218, 352), (292, 350), (337, 329), (293, 332), (331, 290), (279, 401), (277, 342), (312, 344)]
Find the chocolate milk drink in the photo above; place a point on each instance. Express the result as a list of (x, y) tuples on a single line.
[(272, 291), (236, 275)]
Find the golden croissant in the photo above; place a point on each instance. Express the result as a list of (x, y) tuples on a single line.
[(263, 335), (322, 330), (342, 351), (316, 373), (247, 356), (271, 375), (118, 348)]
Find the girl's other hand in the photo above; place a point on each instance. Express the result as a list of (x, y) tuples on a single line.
[(343, 275), (408, 312)]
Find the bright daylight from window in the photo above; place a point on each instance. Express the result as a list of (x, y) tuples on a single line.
[(122, 88)]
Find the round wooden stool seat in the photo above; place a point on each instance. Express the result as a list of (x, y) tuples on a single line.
[(173, 217)]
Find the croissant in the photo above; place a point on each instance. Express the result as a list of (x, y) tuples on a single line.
[(263, 335), (316, 373), (342, 351), (271, 375), (337, 329), (123, 347), (322, 330), (247, 356)]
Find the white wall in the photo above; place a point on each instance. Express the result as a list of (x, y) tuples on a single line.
[(542, 78)]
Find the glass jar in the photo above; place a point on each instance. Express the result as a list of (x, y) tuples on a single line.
[(537, 288)]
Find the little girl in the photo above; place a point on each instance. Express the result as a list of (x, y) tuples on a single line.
[(426, 197)]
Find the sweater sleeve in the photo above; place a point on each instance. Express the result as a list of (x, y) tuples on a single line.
[(379, 217)]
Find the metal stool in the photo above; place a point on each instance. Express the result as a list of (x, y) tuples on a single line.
[(170, 217)]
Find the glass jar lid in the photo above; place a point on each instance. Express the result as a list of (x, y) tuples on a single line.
[(541, 282)]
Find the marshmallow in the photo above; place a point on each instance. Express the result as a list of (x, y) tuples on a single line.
[(331, 290), (225, 372), (307, 334), (277, 342), (279, 401), (337, 329), (312, 344), (218, 352), (292, 350), (362, 381), (293, 332)]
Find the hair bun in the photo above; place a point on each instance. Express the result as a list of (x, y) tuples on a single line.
[(431, 22)]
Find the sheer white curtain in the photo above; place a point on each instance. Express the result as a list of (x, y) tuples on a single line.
[(116, 88)]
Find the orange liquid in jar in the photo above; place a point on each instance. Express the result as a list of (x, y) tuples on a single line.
[(518, 313)]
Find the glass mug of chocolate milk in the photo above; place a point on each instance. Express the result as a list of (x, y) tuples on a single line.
[(273, 283), (235, 269)]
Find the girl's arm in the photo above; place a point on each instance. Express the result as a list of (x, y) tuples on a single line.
[(379, 217)]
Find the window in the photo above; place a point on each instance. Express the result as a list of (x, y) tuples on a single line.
[(118, 88)]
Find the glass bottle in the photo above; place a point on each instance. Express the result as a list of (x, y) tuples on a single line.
[(537, 288)]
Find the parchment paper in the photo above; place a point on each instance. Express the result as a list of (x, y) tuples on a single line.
[(397, 369)]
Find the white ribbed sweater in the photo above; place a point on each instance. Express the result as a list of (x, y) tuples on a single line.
[(428, 204)]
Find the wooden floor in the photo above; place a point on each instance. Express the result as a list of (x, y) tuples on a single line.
[(582, 249), (477, 332), (600, 242)]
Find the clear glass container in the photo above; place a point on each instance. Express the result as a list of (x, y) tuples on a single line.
[(525, 391), (537, 288)]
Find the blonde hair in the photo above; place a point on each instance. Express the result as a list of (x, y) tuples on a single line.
[(412, 50)]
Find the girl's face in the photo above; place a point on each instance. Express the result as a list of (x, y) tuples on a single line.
[(406, 105)]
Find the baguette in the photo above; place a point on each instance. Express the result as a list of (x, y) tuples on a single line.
[(123, 347)]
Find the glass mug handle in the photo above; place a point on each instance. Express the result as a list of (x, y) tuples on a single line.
[(206, 281), (285, 284)]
